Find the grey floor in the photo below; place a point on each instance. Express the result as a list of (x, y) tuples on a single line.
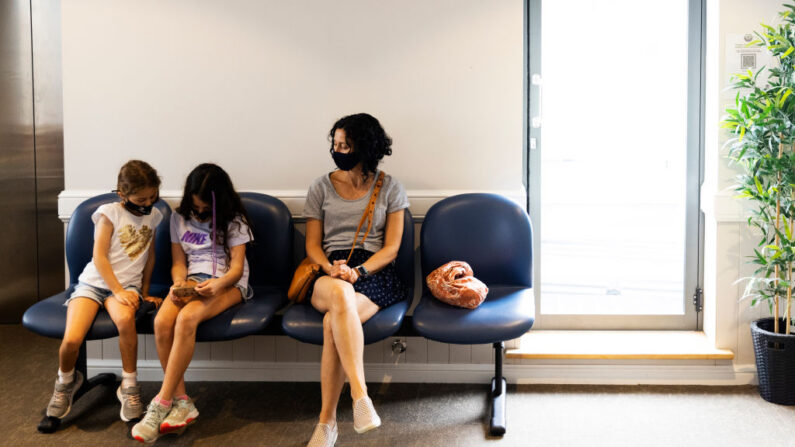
[(283, 414)]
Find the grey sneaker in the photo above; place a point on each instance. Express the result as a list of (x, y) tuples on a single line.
[(364, 416), (62, 396), (148, 430), (183, 413), (131, 406), (323, 436)]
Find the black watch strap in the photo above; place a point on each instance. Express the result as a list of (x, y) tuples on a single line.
[(362, 271)]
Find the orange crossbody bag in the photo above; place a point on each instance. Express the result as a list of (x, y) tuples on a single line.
[(307, 271)]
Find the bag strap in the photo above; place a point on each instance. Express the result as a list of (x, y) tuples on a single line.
[(368, 214)]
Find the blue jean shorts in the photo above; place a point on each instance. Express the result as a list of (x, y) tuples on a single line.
[(83, 290), (245, 292)]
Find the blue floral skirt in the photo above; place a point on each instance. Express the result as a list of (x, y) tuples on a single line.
[(384, 288)]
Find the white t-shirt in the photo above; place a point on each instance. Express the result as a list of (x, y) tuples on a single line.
[(129, 245), (195, 238)]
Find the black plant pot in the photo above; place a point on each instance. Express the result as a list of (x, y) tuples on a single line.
[(775, 362)]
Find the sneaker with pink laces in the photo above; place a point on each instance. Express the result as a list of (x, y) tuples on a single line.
[(364, 416)]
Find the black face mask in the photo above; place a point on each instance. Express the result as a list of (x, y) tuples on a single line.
[(140, 209), (201, 216), (345, 162)]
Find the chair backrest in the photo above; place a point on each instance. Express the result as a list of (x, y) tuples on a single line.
[(404, 263), (488, 231), (80, 238), (270, 256)]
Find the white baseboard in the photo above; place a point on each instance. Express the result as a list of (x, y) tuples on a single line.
[(727, 374)]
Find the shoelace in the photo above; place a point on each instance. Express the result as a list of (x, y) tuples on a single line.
[(59, 397), (152, 415), (134, 399)]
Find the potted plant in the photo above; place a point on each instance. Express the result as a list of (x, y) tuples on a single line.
[(763, 124)]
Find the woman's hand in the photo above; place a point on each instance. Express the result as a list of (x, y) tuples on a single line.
[(353, 276), (342, 271), (128, 298), (210, 287), (337, 268)]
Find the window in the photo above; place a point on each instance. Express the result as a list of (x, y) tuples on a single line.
[(614, 161)]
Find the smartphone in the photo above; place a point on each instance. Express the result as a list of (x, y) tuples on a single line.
[(184, 292)]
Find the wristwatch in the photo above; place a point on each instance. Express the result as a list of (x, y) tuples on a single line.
[(362, 271)]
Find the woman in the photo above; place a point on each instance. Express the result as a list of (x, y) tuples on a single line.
[(350, 293)]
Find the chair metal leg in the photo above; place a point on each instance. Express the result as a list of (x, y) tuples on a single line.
[(50, 424), (498, 392)]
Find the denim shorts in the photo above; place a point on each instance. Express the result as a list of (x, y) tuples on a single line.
[(245, 292), (95, 293)]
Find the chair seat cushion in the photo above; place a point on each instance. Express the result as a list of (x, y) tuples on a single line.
[(304, 323), (243, 319), (48, 318), (507, 313)]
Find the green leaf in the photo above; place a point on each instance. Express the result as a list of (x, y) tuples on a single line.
[(787, 93), (788, 52)]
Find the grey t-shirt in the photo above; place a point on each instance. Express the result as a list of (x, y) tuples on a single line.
[(341, 217)]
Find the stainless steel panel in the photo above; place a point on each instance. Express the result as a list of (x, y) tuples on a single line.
[(18, 286), (48, 115)]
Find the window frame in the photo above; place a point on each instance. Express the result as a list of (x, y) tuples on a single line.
[(692, 319)]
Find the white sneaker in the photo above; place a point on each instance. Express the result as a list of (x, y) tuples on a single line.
[(364, 416), (183, 413), (148, 430), (323, 436)]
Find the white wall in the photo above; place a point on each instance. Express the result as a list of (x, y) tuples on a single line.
[(255, 86)]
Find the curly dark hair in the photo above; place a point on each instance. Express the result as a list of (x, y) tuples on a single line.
[(365, 136), (203, 180)]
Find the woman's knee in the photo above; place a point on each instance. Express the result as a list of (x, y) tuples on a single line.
[(342, 296)]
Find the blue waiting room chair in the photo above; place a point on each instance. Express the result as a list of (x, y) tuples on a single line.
[(493, 235), (304, 323), (270, 266), (48, 317)]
